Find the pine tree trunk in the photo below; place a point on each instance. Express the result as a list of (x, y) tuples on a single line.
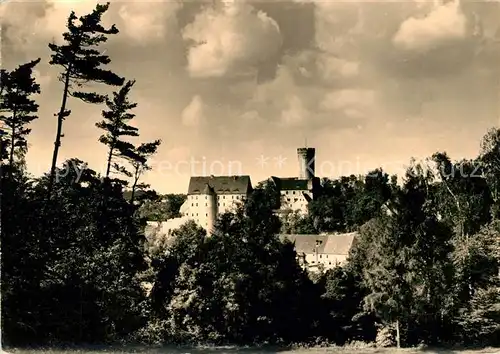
[(108, 167), (398, 338), (57, 142), (12, 140), (136, 180)]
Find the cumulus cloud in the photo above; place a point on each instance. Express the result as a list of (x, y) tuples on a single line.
[(148, 22), (32, 25), (194, 113), (348, 99), (230, 39), (444, 23)]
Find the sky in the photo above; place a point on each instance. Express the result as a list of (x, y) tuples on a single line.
[(236, 87)]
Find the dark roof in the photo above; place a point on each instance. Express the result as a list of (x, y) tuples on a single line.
[(220, 184), (290, 183), (338, 244)]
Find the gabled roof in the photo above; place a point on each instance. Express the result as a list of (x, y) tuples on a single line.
[(220, 184), (338, 244)]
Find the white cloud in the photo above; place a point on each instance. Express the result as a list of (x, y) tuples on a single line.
[(148, 22), (34, 24), (194, 113), (331, 68), (444, 23), (348, 100), (295, 113), (230, 39)]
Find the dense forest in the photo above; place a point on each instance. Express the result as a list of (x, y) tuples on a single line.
[(425, 269)]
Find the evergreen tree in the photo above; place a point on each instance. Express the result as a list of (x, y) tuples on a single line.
[(139, 161), (115, 125), (17, 108), (82, 63)]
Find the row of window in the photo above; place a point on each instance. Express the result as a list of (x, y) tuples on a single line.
[(206, 204), (219, 197)]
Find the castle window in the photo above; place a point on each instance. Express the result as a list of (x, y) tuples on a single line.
[(293, 192), (296, 200), (320, 256), (206, 197), (196, 204), (206, 204), (218, 204), (223, 204), (206, 214), (196, 214), (192, 204), (223, 197)]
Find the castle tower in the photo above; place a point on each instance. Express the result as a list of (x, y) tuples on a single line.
[(211, 208), (306, 162)]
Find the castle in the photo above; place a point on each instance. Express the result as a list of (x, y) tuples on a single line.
[(210, 196)]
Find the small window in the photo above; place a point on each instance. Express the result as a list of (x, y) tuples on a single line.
[(206, 214), (192, 204), (206, 197), (206, 204), (320, 256), (196, 204), (296, 200)]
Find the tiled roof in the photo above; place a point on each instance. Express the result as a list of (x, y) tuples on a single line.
[(220, 184), (290, 183), (338, 244)]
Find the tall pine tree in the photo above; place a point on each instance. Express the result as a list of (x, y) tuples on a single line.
[(140, 165), (116, 126), (82, 63), (18, 108)]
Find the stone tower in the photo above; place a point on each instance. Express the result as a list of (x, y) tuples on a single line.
[(211, 207), (306, 162)]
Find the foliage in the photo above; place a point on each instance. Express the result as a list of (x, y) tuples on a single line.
[(425, 266), (116, 127), (81, 63), (17, 108)]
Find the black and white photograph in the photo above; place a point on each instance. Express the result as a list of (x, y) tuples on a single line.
[(242, 176)]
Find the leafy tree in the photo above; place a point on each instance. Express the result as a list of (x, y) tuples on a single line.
[(94, 258), (343, 297), (260, 297), (163, 208), (81, 63), (17, 107), (408, 272)]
